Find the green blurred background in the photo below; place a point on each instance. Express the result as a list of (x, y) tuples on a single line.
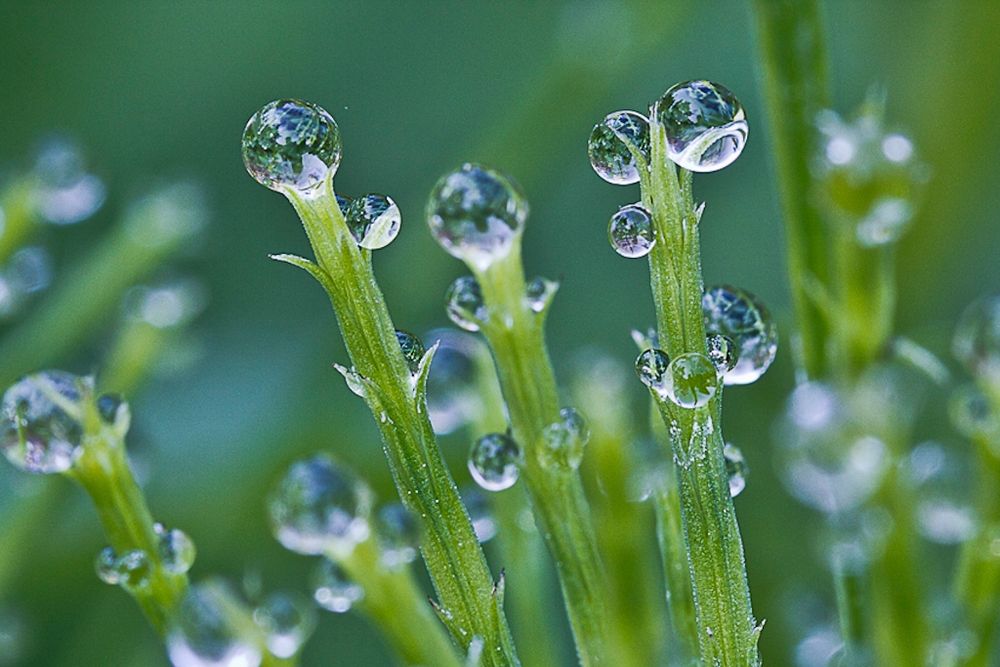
[(156, 90)]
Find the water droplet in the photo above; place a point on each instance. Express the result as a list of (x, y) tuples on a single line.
[(631, 231), (476, 213), (108, 406), (66, 193), (38, 435), (287, 621), (977, 338), (651, 366), (413, 349), (333, 590), (399, 535), (464, 303), (539, 292), (210, 631), (614, 144), (691, 380), (130, 570), (166, 306), (319, 507), (741, 317), (564, 441), (971, 413), (177, 550), (493, 461), (705, 125), (374, 221), (106, 565), (291, 144), (167, 216), (453, 398), (736, 468), (940, 479), (29, 270), (483, 523), (885, 222), (723, 353)]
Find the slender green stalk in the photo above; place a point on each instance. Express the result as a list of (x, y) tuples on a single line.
[(468, 597), (103, 471), (793, 53), (516, 335), (399, 608), (727, 631), (20, 219), (849, 586)]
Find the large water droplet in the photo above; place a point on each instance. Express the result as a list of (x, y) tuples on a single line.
[(977, 338), (631, 231), (65, 193), (333, 590), (563, 442), (320, 506), (475, 213), (291, 144), (691, 380), (287, 621), (614, 143), (465, 305), (38, 435), (177, 550), (398, 535), (741, 317), (705, 125), (374, 221), (413, 349), (209, 632), (493, 461), (736, 468)]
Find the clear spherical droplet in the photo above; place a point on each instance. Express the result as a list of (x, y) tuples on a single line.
[(374, 221), (740, 316), (333, 590), (493, 461), (38, 435), (476, 213), (465, 305), (209, 631), (65, 192), (291, 144), (705, 125), (614, 143), (723, 353), (413, 349), (977, 338), (177, 550), (320, 506), (564, 441), (108, 406), (631, 231), (539, 292), (736, 469), (106, 565), (691, 380), (483, 522), (398, 535), (287, 621), (651, 366)]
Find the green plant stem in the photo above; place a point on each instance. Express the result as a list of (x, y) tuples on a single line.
[(516, 335), (727, 630), (792, 46), (849, 586), (453, 556), (103, 471), (17, 202), (394, 601)]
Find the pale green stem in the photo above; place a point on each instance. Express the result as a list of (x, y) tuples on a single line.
[(451, 552), (517, 337), (727, 630), (20, 220)]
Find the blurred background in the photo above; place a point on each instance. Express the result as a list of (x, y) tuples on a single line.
[(154, 92)]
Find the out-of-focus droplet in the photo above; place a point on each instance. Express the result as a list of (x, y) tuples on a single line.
[(614, 144), (333, 590), (944, 509), (705, 125), (563, 442), (494, 461), (740, 316), (130, 569), (168, 305), (977, 338), (736, 468), (464, 303), (453, 397), (631, 231), (374, 221), (287, 621), (210, 631), (972, 415), (398, 535), (30, 270), (66, 193), (539, 292), (38, 435), (483, 522), (109, 405)]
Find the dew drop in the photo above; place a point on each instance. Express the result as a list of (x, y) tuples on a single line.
[(563, 442), (177, 550), (453, 398), (977, 338), (106, 565), (29, 270), (413, 349), (475, 213), (38, 435), (287, 621), (722, 351), (131, 569), (65, 192), (166, 306), (374, 221), (465, 305), (651, 366), (109, 405), (691, 380), (209, 631), (972, 415), (320, 506), (483, 522), (631, 231), (398, 534), (539, 292), (614, 144), (736, 469), (333, 590), (944, 509), (705, 125), (741, 317), (291, 144), (493, 461), (353, 379)]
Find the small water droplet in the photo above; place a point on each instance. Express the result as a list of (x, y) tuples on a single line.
[(614, 144), (736, 468), (177, 550), (741, 317), (691, 380), (130, 570), (333, 590), (483, 523), (320, 506), (723, 353), (353, 379), (651, 366), (210, 631), (165, 306), (287, 621), (977, 338), (631, 231), (65, 192), (291, 144), (564, 441), (38, 435), (374, 221), (399, 535), (476, 213), (464, 303), (493, 461), (539, 292), (705, 125), (413, 349), (971, 413)]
